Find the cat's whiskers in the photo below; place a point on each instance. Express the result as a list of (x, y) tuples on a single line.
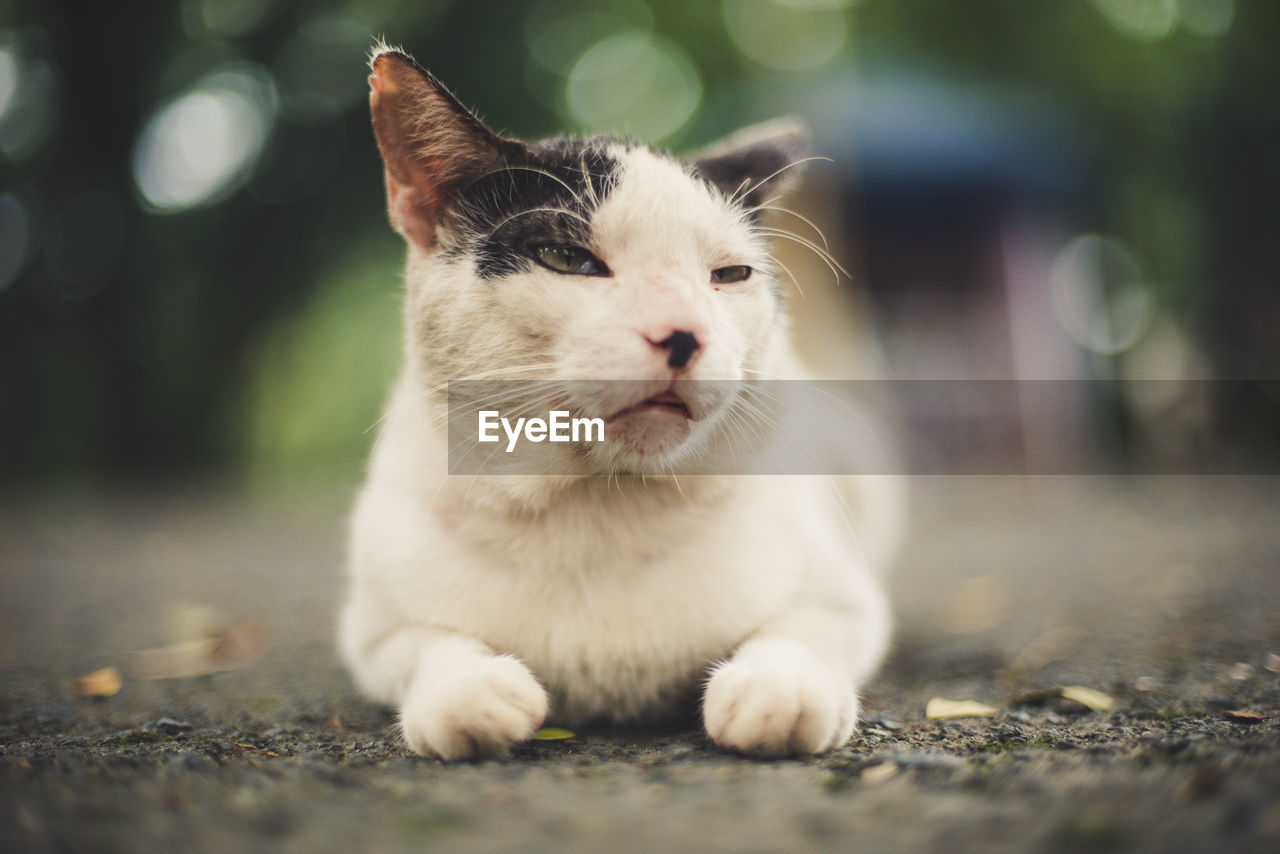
[(832, 264), (747, 189), (790, 275), (573, 194), (517, 407), (424, 394), (764, 416), (769, 205), (515, 216), (494, 374)]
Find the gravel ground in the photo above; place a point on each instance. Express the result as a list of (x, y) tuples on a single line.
[(1163, 593)]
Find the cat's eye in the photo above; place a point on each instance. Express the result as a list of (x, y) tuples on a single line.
[(569, 259), (729, 275)]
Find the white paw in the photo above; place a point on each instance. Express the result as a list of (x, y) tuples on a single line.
[(478, 710), (777, 698)]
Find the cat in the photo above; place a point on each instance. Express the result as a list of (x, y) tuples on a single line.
[(479, 606)]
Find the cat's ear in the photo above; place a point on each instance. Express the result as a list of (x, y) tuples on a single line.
[(757, 163), (431, 145)]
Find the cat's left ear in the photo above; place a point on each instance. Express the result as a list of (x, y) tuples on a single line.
[(757, 163), (431, 145)]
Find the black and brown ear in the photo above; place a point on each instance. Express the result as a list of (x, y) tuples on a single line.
[(431, 145), (758, 162)]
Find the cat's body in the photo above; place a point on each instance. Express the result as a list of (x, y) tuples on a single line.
[(477, 604)]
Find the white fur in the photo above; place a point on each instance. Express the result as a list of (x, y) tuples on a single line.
[(476, 600)]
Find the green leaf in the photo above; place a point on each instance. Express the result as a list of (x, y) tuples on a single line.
[(550, 733)]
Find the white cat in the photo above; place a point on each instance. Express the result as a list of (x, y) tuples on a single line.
[(479, 606)]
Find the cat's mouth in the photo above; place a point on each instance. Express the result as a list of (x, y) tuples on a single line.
[(668, 403)]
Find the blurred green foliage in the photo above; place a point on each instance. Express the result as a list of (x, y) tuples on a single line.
[(261, 325)]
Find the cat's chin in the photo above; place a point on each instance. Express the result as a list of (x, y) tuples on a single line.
[(654, 431)]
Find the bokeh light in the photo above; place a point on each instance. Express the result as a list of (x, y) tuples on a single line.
[(1148, 20), (8, 75), (637, 83), (30, 94), (201, 146), (1099, 294), (1152, 20), (558, 37), (787, 35), (1208, 18)]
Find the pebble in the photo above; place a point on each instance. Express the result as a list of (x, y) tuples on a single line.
[(1240, 671), (169, 726)]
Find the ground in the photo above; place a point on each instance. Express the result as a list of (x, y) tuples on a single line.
[(1163, 593)]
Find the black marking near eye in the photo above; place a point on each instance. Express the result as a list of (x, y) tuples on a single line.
[(546, 199)]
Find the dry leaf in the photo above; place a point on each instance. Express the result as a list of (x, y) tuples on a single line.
[(550, 733), (1095, 700), (939, 708), (1244, 715), (877, 774), (100, 683)]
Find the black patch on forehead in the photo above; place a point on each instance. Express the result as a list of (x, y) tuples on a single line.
[(545, 195)]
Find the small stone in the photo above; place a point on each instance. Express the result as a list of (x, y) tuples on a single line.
[(1240, 671), (1272, 662), (169, 726)]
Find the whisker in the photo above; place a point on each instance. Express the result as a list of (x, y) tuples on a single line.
[(514, 216), (768, 206), (742, 194)]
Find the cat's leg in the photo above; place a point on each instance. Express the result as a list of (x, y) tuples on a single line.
[(792, 686), (456, 698)]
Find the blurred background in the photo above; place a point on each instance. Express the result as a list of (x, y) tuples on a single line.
[(196, 272), (200, 318)]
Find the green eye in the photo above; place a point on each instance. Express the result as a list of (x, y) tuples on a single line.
[(729, 275), (569, 259)]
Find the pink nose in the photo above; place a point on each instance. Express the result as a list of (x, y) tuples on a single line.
[(681, 347)]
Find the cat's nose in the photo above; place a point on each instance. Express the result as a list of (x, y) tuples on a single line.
[(680, 347)]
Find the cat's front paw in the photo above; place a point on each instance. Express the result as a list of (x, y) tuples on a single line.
[(776, 698), (479, 710)]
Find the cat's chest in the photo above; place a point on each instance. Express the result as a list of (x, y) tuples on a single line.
[(610, 626), (589, 595), (621, 641)]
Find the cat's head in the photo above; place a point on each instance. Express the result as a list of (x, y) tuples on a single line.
[(585, 262)]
